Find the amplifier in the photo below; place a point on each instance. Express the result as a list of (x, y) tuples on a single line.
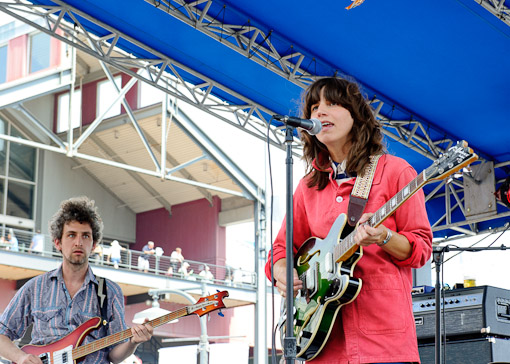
[(474, 351), (483, 310)]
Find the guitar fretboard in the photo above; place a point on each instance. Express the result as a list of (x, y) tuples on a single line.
[(99, 344), (346, 246)]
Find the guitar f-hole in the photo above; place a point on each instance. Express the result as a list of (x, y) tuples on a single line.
[(302, 260)]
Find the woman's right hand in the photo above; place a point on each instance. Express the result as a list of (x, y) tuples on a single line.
[(280, 275)]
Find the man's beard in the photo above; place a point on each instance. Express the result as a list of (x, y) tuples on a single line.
[(77, 261)]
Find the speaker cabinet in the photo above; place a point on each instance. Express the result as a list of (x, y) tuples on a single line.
[(474, 351)]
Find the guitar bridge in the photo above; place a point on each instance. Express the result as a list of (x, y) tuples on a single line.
[(45, 358)]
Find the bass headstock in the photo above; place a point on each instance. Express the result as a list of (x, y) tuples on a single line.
[(208, 304)]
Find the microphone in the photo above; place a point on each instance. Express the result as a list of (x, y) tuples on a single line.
[(312, 126)]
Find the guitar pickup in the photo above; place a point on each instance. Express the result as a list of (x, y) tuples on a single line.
[(328, 263), (311, 280)]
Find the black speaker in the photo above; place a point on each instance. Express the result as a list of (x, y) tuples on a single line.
[(482, 310), (474, 351)]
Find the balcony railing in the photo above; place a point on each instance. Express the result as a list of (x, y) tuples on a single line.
[(158, 264)]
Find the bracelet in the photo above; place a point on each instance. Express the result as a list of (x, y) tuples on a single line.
[(389, 234)]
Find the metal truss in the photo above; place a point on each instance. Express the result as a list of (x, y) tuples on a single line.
[(415, 135), (498, 8), (246, 39), (170, 77), (71, 148), (161, 71), (256, 45)]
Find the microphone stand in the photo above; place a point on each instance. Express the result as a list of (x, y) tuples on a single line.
[(438, 255), (289, 341)]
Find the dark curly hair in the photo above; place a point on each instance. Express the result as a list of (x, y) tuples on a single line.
[(365, 135), (80, 209)]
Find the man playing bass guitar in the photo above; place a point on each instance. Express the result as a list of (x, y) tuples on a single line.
[(59, 301), (377, 324)]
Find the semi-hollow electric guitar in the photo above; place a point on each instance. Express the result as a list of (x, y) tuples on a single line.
[(325, 266), (68, 349)]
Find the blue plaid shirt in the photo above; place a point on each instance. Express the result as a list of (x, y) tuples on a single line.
[(45, 302)]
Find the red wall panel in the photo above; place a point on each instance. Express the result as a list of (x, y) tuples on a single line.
[(17, 58), (131, 95), (193, 226), (88, 99), (56, 49)]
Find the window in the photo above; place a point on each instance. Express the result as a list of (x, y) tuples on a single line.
[(39, 52), (148, 94), (18, 166), (63, 111), (3, 64), (21, 160), (20, 198), (106, 93)]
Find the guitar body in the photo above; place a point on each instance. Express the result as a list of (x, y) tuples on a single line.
[(61, 350), (327, 286)]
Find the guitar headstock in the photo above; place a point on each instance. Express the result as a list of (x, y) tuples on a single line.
[(457, 157), (207, 304)]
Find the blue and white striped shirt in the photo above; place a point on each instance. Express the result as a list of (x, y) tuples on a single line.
[(45, 302)]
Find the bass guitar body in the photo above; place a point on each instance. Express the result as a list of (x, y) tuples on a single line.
[(61, 351), (327, 286)]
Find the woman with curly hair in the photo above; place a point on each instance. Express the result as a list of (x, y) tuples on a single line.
[(378, 325)]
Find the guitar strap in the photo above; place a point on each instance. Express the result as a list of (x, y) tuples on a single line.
[(360, 191), (102, 300)]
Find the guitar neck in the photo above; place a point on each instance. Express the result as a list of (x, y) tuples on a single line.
[(99, 344), (348, 245)]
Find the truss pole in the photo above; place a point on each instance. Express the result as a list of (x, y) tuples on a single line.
[(169, 171), (157, 174), (33, 144), (129, 111), (70, 130), (260, 349), (36, 122), (164, 106), (447, 203), (466, 222), (99, 119)]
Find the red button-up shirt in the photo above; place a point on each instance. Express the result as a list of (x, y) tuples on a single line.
[(378, 326)]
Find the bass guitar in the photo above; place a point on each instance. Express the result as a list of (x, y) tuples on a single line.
[(326, 266), (68, 349)]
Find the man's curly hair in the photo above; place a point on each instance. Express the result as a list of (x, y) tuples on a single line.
[(80, 209)]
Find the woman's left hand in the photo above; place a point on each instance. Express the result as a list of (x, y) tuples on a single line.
[(367, 235)]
